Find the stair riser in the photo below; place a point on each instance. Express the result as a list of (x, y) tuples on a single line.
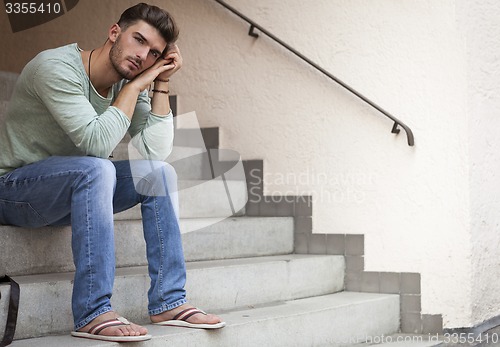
[(192, 163), (46, 250), (205, 200), (189, 163), (45, 306)]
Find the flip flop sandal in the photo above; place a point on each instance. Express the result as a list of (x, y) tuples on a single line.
[(94, 331), (180, 320)]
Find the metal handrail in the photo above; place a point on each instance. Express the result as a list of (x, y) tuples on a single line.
[(251, 32)]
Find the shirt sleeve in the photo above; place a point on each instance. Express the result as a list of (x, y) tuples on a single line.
[(61, 91), (152, 135)]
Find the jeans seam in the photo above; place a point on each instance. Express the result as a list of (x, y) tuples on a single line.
[(89, 246), (31, 179), (162, 249)]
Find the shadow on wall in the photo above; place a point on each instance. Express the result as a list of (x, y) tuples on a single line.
[(26, 15)]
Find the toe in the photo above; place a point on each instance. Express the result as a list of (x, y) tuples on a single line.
[(124, 331), (213, 319)]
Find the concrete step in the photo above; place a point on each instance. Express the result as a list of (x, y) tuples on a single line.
[(46, 250), (213, 285), (191, 163), (189, 134), (211, 183), (204, 199), (330, 320)]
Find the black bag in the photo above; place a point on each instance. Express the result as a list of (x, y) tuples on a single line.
[(10, 327)]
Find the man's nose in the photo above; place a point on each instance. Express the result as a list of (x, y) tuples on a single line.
[(142, 54)]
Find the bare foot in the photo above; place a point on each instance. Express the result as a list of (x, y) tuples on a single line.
[(194, 319), (122, 330)]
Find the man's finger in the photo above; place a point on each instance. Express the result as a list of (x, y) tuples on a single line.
[(166, 67), (172, 56), (173, 49)]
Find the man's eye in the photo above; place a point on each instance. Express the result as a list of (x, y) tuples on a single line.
[(155, 54), (139, 40)]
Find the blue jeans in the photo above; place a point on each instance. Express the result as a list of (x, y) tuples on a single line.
[(85, 192)]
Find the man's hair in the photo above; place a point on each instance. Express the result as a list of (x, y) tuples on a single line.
[(154, 16)]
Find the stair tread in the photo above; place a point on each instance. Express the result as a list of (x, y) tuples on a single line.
[(190, 265), (182, 220), (287, 323)]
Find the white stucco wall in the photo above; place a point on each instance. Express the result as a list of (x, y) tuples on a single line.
[(411, 203), (429, 209), (483, 61)]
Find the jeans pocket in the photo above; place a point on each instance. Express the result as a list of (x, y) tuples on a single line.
[(21, 214)]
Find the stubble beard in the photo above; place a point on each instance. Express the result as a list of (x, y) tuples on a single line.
[(115, 56)]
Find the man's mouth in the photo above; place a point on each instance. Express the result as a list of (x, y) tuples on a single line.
[(135, 64)]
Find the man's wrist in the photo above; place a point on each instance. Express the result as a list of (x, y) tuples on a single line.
[(133, 87), (160, 87), (160, 103), (161, 84)]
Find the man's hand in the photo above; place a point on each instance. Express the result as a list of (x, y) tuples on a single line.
[(173, 57), (163, 69)]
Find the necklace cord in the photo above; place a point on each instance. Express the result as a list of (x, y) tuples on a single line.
[(90, 86)]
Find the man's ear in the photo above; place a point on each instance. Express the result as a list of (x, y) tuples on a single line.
[(114, 32)]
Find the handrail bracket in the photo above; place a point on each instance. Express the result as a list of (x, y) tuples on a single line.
[(395, 129), (252, 32)]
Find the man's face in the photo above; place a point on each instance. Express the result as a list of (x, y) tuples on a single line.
[(136, 49)]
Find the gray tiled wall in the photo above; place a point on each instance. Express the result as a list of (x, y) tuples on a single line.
[(407, 285)]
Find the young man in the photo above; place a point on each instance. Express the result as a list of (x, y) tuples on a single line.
[(69, 110)]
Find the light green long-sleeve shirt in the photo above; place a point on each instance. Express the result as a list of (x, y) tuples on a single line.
[(50, 115)]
